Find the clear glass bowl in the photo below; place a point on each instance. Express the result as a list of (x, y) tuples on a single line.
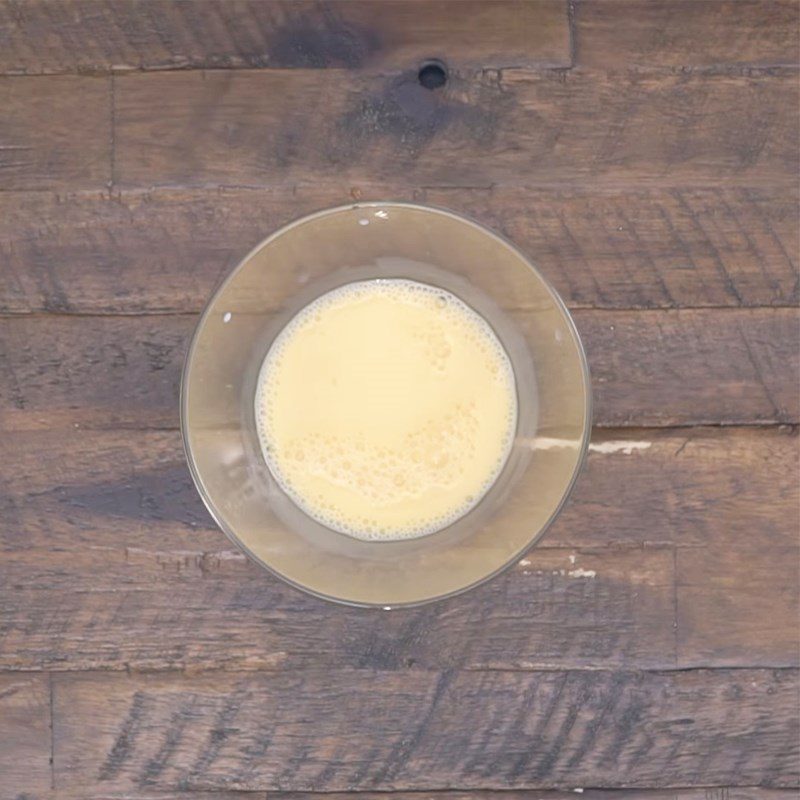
[(384, 240)]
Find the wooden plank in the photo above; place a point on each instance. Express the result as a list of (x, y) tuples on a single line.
[(654, 368), (694, 487), (427, 730), (109, 561), (101, 360), (620, 34), (24, 736), (97, 792), (603, 248), (708, 793), (55, 133), (676, 367), (156, 607), (273, 128), (81, 35), (720, 615), (691, 487), (647, 248)]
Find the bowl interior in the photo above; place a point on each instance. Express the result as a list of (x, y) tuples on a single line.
[(359, 242)]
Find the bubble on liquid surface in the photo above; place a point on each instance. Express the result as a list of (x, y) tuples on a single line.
[(384, 492)]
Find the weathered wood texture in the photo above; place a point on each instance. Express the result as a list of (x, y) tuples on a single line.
[(673, 368), (24, 736), (709, 793), (648, 368), (55, 133), (692, 487), (51, 36), (721, 34), (97, 792), (157, 608), (430, 729), (110, 561), (40, 36), (644, 153), (166, 250), (519, 127), (711, 593)]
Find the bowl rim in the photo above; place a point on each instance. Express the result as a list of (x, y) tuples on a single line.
[(459, 217)]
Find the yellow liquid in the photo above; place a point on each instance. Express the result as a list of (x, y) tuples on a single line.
[(386, 409)]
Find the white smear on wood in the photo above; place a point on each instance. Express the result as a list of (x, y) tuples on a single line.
[(582, 573), (572, 558), (524, 563), (227, 555), (624, 447), (627, 447), (549, 443)]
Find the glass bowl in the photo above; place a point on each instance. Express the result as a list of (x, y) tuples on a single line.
[(363, 241)]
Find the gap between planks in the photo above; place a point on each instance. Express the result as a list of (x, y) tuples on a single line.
[(232, 672)]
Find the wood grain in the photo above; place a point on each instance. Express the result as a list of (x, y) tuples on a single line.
[(155, 607), (712, 595), (97, 792), (622, 34), (81, 35), (654, 368), (430, 729), (694, 487), (55, 133), (24, 736), (707, 793), (678, 367), (258, 128), (603, 248), (96, 361), (108, 560), (644, 154)]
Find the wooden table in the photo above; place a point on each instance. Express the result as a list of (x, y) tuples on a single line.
[(644, 153)]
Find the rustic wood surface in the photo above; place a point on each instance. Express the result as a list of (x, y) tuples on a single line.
[(645, 154)]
